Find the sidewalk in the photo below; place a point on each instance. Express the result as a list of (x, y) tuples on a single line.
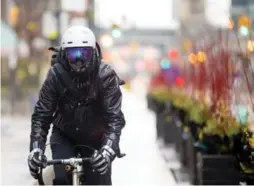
[(14, 150), (143, 164)]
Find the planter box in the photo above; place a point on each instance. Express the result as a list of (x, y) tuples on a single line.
[(154, 105), (150, 102), (182, 148), (176, 129), (191, 164), (247, 178), (204, 169), (158, 108), (160, 120), (170, 128), (180, 114), (179, 141), (217, 170)]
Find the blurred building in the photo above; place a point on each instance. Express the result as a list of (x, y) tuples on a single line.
[(191, 16), (4, 10), (201, 19)]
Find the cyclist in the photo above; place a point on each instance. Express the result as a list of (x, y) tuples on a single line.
[(82, 98)]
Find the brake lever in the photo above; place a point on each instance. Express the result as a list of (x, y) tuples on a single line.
[(54, 49), (40, 177), (121, 155)]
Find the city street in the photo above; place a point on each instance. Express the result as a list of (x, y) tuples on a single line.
[(193, 61), (143, 164)]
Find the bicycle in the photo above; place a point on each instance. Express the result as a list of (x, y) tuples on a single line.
[(72, 164)]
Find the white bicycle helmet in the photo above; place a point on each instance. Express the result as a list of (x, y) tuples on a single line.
[(78, 36), (79, 48)]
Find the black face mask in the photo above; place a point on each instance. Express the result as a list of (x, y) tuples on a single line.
[(81, 60)]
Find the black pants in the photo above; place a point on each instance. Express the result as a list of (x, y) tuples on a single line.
[(62, 148)]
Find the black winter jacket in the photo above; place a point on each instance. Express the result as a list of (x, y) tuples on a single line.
[(95, 119)]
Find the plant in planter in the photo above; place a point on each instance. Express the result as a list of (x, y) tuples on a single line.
[(156, 88), (245, 151), (198, 114), (212, 124), (181, 103), (219, 132), (158, 97)]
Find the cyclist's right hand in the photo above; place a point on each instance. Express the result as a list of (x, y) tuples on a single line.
[(36, 159)]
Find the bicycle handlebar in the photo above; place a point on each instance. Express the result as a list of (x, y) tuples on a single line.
[(70, 161)]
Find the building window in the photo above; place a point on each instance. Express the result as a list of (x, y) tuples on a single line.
[(239, 2), (197, 6)]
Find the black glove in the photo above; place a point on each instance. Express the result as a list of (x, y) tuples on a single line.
[(36, 160), (101, 161)]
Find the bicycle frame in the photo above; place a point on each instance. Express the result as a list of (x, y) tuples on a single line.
[(77, 172)]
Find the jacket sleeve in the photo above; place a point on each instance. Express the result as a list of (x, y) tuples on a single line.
[(43, 111), (112, 101)]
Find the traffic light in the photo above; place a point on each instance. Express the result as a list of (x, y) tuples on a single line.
[(116, 31), (13, 15), (244, 25)]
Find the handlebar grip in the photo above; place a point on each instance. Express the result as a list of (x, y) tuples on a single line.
[(54, 162), (86, 159)]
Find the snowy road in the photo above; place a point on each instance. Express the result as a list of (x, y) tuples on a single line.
[(143, 164)]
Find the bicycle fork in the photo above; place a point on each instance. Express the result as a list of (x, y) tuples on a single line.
[(77, 174)]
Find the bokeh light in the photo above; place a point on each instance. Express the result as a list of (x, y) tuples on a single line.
[(106, 40), (116, 33), (165, 64)]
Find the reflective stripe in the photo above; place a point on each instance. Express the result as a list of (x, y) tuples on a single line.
[(109, 149)]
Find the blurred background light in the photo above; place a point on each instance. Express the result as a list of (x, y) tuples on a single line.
[(14, 15), (116, 33), (165, 64), (179, 81), (230, 24), (244, 31), (106, 40), (140, 65), (173, 54), (251, 45), (201, 57), (134, 45), (192, 58), (187, 45), (244, 25)]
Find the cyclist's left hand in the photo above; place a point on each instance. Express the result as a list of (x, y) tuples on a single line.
[(101, 161)]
